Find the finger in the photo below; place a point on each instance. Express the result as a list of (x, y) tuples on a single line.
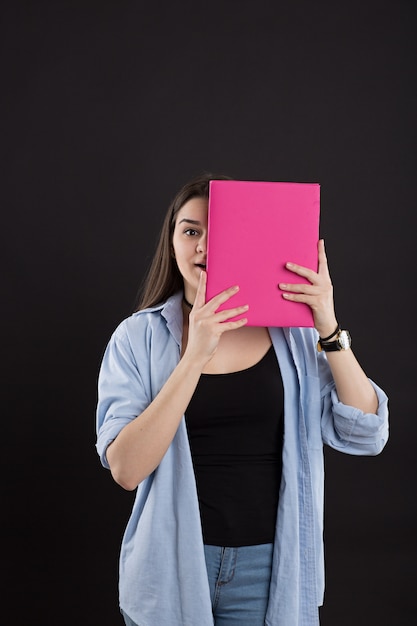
[(300, 297), (222, 316), (300, 288), (305, 272), (233, 325), (322, 258), (222, 297), (200, 297)]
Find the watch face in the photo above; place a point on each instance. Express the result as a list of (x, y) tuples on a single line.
[(344, 340)]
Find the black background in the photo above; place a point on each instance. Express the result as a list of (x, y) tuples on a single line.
[(107, 109)]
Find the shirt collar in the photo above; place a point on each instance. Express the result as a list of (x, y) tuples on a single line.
[(171, 311)]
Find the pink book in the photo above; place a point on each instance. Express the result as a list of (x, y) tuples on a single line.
[(254, 228)]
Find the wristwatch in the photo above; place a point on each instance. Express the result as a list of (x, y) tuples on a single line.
[(342, 342)]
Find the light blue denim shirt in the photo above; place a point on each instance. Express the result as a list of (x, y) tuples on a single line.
[(162, 575)]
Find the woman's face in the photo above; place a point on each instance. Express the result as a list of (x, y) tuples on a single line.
[(189, 242)]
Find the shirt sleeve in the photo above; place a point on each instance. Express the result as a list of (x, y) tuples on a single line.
[(350, 430), (122, 394)]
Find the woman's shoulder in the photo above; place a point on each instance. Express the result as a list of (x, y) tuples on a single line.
[(152, 318)]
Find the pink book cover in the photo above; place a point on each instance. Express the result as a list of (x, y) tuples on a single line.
[(254, 228)]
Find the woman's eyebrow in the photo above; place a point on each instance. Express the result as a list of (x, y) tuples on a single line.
[(185, 219)]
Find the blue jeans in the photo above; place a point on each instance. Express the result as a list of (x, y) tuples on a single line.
[(239, 580)]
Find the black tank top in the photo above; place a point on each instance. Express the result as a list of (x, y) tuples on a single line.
[(235, 426)]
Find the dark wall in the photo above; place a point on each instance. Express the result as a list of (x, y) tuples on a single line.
[(107, 109)]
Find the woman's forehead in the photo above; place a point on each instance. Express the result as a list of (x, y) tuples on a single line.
[(194, 209)]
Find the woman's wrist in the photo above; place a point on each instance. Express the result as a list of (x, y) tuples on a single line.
[(193, 361), (331, 335), (327, 329)]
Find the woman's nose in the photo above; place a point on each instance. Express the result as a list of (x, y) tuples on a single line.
[(202, 244)]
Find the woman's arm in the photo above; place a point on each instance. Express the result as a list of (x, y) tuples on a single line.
[(352, 384), (141, 444)]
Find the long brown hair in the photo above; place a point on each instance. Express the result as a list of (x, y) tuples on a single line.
[(163, 278)]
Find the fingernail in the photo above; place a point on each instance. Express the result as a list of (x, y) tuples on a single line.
[(289, 264), (282, 285)]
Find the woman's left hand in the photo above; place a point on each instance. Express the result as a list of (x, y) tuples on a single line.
[(318, 294)]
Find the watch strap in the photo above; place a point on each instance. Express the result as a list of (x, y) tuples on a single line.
[(336, 344), (330, 346)]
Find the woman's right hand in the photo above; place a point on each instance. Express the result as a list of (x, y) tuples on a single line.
[(206, 326), (141, 444)]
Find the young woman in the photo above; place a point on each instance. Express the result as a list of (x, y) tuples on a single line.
[(220, 428)]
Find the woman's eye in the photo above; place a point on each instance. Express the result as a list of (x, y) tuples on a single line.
[(191, 232)]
